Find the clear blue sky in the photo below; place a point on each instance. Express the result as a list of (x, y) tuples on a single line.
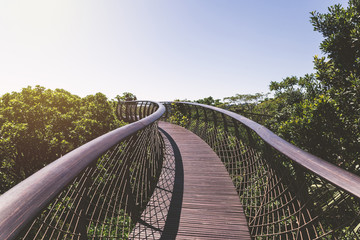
[(156, 49)]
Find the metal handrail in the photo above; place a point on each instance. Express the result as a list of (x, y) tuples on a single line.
[(24, 202), (286, 192), (332, 173), (131, 111)]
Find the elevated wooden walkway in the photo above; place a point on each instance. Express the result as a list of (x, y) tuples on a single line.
[(204, 203)]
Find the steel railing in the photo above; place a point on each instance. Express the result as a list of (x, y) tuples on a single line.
[(96, 191), (100, 189), (286, 192)]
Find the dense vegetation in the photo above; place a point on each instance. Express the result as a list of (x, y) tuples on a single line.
[(257, 107), (238, 103), (320, 112), (39, 125)]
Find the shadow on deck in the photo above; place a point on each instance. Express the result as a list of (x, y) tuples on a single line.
[(195, 198)]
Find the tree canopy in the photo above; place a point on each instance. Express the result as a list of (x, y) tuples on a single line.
[(126, 96), (39, 125), (320, 111)]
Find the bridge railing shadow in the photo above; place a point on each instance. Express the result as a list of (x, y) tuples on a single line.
[(286, 193), (161, 217)]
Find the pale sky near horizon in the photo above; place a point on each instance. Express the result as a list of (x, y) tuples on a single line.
[(156, 49)]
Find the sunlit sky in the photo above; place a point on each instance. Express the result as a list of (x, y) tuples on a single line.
[(156, 49)]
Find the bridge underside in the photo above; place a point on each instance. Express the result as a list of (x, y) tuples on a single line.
[(195, 198)]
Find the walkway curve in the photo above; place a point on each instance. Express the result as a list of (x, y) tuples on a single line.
[(210, 208)]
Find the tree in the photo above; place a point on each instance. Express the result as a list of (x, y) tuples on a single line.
[(341, 30), (209, 101), (39, 125), (320, 112), (246, 103), (127, 96)]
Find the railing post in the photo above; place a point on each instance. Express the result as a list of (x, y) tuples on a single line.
[(141, 110), (148, 109), (151, 107)]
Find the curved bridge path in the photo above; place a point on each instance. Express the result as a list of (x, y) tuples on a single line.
[(204, 203)]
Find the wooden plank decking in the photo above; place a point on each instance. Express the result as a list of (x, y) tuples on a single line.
[(204, 203)]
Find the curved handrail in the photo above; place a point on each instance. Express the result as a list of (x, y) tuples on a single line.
[(134, 110), (22, 203), (332, 173), (285, 191)]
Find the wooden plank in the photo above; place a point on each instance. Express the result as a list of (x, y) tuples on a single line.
[(210, 206)]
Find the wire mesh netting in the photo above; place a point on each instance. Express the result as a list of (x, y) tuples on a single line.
[(107, 199), (153, 219), (281, 199), (119, 195)]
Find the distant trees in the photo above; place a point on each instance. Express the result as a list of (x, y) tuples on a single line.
[(209, 101), (320, 112), (247, 103), (126, 96), (255, 106), (38, 125)]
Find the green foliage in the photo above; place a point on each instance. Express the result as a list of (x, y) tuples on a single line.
[(39, 125), (246, 99), (178, 115), (256, 106), (127, 96), (320, 112), (113, 227), (341, 30), (244, 103), (240, 103), (210, 101)]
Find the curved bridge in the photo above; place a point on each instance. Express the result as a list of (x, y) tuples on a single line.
[(184, 171)]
